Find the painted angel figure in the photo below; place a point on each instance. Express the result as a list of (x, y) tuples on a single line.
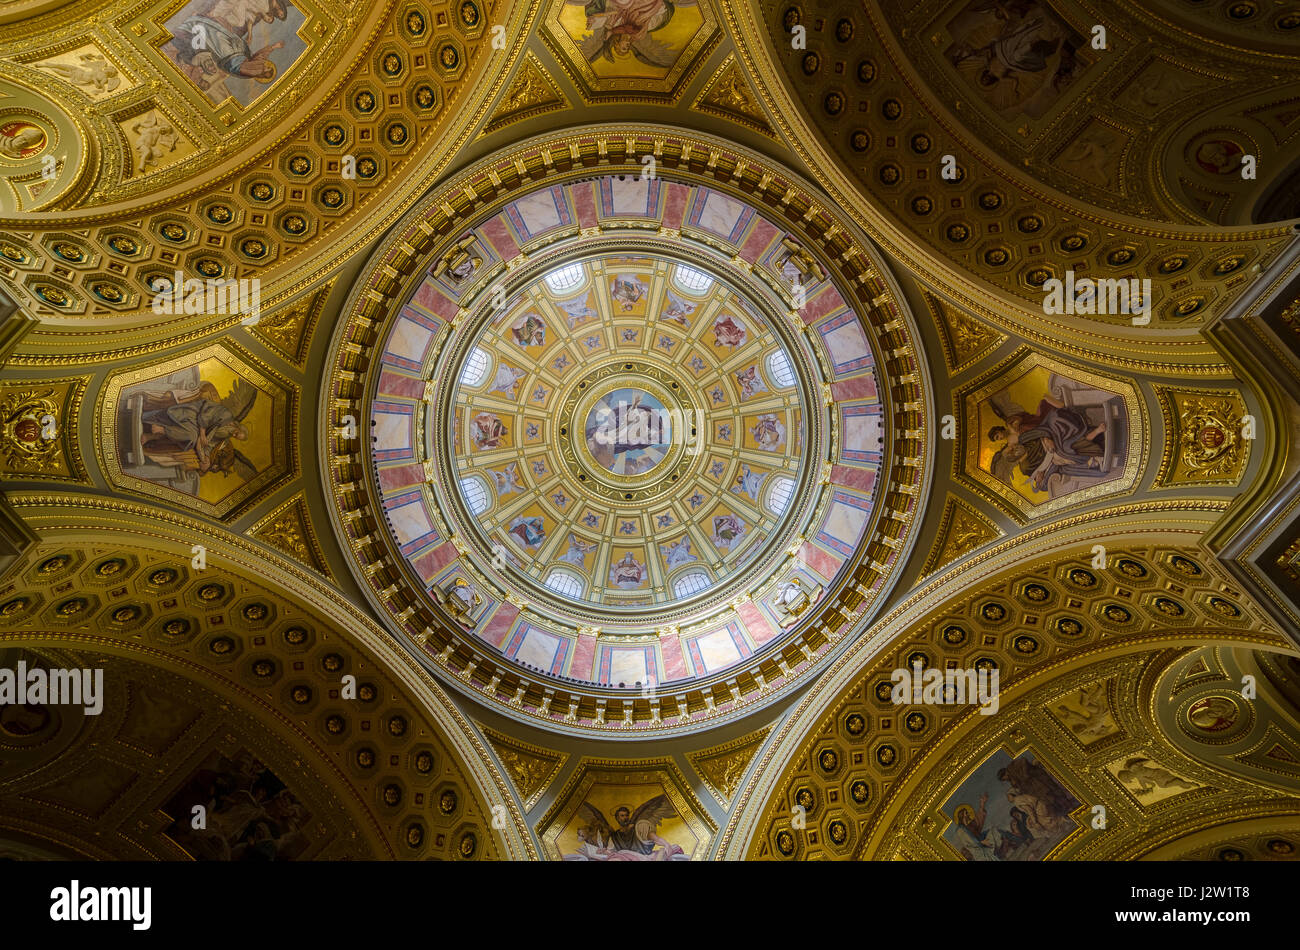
[(678, 552), (635, 839), (194, 430), (578, 551), (577, 311), (624, 27), (749, 482), (750, 383), (507, 479), (678, 311), (507, 380)]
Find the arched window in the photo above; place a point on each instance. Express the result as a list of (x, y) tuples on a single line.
[(692, 582), (691, 280), (779, 369), (564, 584), (778, 495), (566, 278), (475, 494), (475, 369)]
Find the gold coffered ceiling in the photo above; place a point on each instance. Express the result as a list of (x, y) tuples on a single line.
[(635, 388)]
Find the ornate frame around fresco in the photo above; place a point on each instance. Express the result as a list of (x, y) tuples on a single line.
[(283, 436), (436, 223), (966, 463), (592, 771)]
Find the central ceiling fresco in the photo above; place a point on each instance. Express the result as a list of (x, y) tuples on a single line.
[(653, 447), (636, 391)]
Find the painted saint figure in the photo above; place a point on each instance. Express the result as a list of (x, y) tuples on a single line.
[(623, 27), (529, 330), (635, 839), (627, 574), (215, 44), (192, 429), (1055, 440)]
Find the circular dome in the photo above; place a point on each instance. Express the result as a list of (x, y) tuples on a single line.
[(631, 461), (631, 446)]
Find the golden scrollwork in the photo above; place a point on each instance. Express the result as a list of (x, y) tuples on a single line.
[(1211, 437)]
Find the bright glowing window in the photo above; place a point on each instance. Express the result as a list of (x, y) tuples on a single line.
[(476, 495), (476, 367), (778, 496), (566, 278), (692, 582), (691, 280), (564, 583), (780, 370)]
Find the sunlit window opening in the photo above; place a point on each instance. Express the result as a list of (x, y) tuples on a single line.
[(689, 583), (564, 583), (779, 369), (779, 495), (476, 495), (691, 280), (566, 278), (476, 367)]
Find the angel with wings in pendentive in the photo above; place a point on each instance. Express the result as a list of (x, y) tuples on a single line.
[(194, 429), (623, 27), (635, 839)]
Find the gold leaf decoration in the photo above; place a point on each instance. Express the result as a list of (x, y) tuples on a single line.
[(1291, 315), (35, 438), (532, 93), (961, 531), (289, 328), (1289, 560), (965, 340), (288, 530), (1210, 436), (531, 768), (729, 96), (723, 766)]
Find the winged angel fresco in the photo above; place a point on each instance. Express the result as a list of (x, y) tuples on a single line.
[(635, 838), (194, 431), (624, 27)]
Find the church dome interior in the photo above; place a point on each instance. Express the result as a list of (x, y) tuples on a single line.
[(632, 430)]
